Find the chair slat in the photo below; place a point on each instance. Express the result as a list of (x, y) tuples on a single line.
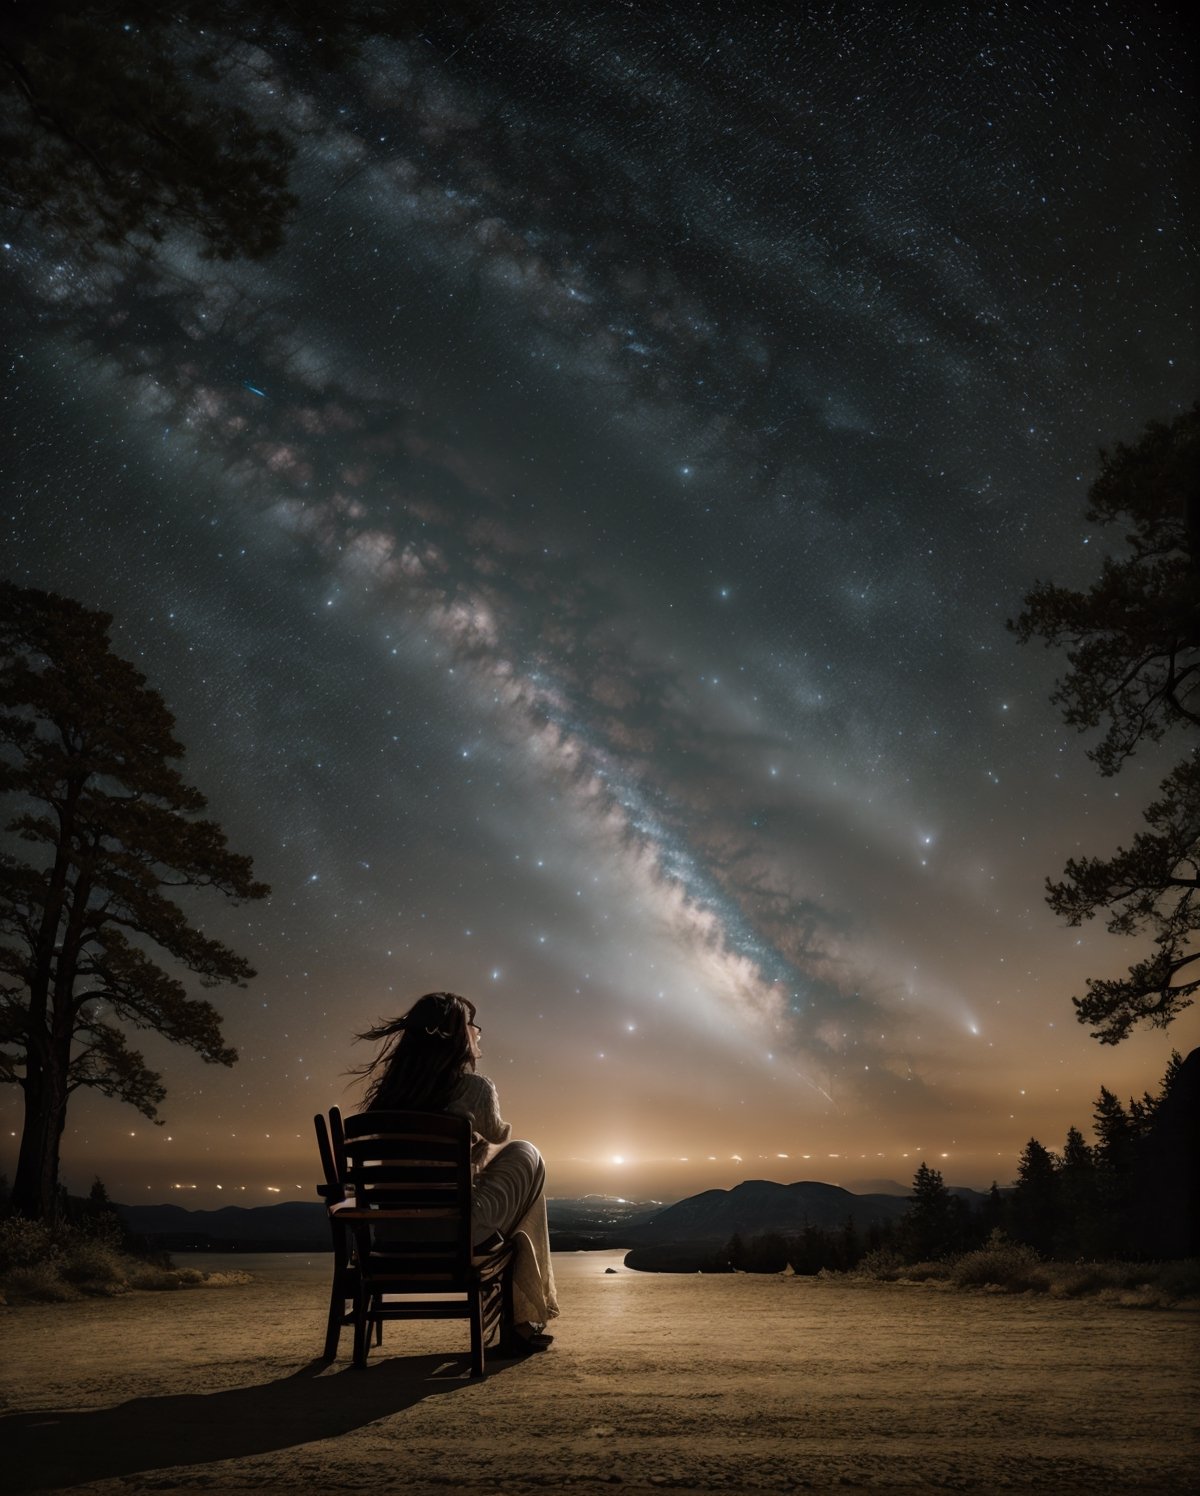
[(438, 1211), (421, 1124), (337, 1141), (388, 1173), (325, 1150), (400, 1137)]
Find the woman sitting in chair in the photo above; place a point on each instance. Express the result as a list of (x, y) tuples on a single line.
[(427, 1064)]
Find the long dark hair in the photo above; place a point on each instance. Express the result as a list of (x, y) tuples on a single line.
[(425, 1052)]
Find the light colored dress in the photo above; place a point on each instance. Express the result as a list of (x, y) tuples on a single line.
[(509, 1197)]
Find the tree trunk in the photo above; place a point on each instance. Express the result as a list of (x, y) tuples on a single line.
[(35, 1184), (47, 1090)]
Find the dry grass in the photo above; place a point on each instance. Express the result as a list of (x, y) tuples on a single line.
[(1004, 1266), (39, 1265)]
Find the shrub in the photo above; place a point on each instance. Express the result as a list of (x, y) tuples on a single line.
[(94, 1267), (883, 1263), (1002, 1263), (51, 1264), (927, 1272), (1149, 1284), (101, 1226), (37, 1283), (1181, 1280), (149, 1275), (25, 1244), (1075, 1279)]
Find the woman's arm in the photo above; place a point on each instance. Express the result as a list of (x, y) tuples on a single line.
[(485, 1112)]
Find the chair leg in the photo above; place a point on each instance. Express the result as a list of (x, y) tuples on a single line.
[(476, 1333), (333, 1324), (362, 1326), (507, 1311), (341, 1289), (493, 1329)]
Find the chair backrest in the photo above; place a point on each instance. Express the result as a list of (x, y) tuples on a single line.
[(333, 1191), (412, 1171)]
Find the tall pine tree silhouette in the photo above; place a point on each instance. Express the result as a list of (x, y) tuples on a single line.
[(115, 831)]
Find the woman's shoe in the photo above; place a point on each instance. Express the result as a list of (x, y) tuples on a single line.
[(528, 1345), (526, 1340)]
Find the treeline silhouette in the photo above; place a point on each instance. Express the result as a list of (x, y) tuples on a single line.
[(1130, 1194)]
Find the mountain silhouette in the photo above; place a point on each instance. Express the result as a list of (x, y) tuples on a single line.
[(759, 1205)]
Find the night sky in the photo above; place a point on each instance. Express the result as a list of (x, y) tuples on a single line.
[(579, 562)]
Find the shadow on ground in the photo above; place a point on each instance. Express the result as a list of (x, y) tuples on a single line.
[(49, 1448)]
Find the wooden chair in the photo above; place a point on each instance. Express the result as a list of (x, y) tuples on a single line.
[(409, 1212), (331, 1145)]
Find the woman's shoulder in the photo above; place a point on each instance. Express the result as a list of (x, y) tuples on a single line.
[(470, 1084)]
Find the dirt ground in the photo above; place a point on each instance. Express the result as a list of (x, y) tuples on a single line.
[(654, 1384)]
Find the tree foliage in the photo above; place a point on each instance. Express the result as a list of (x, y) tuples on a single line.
[(1132, 642), (122, 122), (929, 1227), (88, 751), (1035, 1199)]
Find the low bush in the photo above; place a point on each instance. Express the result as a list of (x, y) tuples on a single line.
[(1140, 1284), (927, 1272), (1001, 1264), (883, 1263), (148, 1275), (94, 1267), (1073, 1280), (25, 1244), (83, 1256), (1181, 1279), (1010, 1267), (37, 1283), (234, 1279)]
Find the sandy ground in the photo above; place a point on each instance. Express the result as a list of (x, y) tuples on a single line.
[(655, 1383)]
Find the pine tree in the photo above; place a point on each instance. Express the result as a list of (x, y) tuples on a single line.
[(1076, 1154), (992, 1213), (1115, 1155), (1114, 1134), (1035, 1200), (1078, 1232), (929, 1224), (1170, 1076), (1164, 1193), (90, 759), (1133, 647), (1142, 1112)]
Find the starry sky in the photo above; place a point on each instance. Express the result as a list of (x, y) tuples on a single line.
[(579, 561)]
